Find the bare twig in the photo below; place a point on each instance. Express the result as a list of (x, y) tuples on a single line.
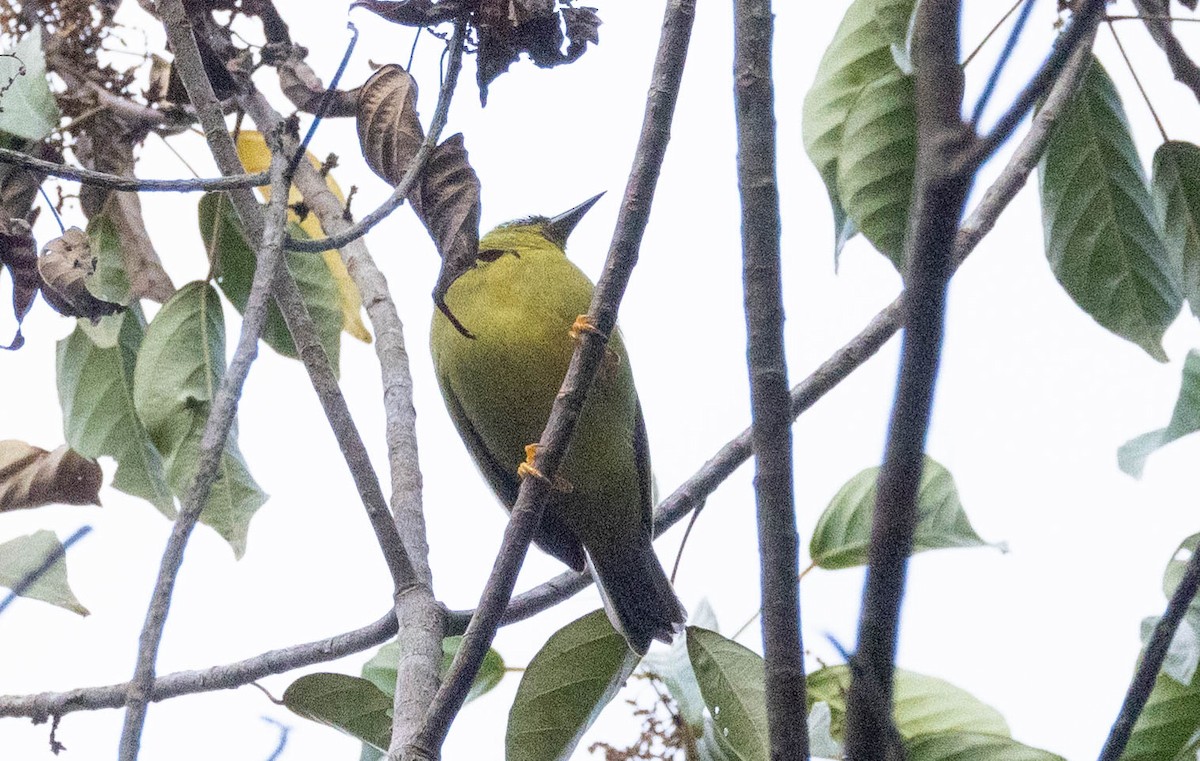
[(771, 430), (119, 182), (1083, 24), (394, 201), (1158, 24), (1152, 659), (939, 192), (622, 255), (44, 705)]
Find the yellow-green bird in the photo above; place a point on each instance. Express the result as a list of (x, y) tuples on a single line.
[(520, 301)]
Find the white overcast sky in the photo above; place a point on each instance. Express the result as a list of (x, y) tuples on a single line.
[(1033, 400)]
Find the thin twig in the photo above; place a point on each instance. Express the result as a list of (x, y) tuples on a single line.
[(991, 32), (1138, 81), (394, 201), (1183, 68), (771, 430), (622, 256), (1152, 659), (939, 192), (118, 182), (1082, 25)]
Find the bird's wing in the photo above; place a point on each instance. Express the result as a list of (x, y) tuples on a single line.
[(641, 454), (552, 535)]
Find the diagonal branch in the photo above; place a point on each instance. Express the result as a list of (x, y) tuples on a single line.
[(1158, 23), (1152, 660), (622, 256), (771, 430)]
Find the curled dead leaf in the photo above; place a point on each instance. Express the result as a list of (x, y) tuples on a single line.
[(64, 266), (446, 200), (388, 128), (416, 12), (18, 252), (508, 28), (31, 477)]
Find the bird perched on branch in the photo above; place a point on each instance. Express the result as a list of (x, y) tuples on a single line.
[(521, 302)]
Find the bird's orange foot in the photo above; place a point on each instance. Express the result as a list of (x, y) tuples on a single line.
[(583, 324), (526, 469)]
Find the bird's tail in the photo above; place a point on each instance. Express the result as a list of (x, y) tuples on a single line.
[(637, 596)]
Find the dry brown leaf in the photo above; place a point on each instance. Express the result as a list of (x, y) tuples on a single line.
[(31, 477), (302, 86), (65, 264), (388, 128), (508, 28), (105, 148), (415, 12), (447, 201), (18, 252)]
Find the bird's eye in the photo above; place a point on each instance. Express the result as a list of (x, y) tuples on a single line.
[(491, 254)]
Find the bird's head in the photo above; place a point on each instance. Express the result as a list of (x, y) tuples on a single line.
[(520, 233)]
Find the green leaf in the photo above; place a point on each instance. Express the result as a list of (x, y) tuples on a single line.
[(1101, 229), (27, 107), (878, 161), (966, 746), (924, 705), (25, 555), (674, 668), (1175, 568), (566, 685), (346, 703), (1176, 190), (95, 390), (731, 680), (109, 282), (234, 261), (1168, 722), (843, 532), (178, 370), (381, 669), (859, 54), (1185, 419)]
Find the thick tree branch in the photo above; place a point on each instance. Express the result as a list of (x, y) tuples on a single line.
[(622, 256), (120, 182), (939, 192), (771, 430), (394, 201), (1158, 23), (1152, 659)]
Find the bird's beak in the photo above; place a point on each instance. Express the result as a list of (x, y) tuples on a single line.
[(560, 227)]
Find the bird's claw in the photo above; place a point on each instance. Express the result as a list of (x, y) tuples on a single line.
[(583, 324), (526, 469)]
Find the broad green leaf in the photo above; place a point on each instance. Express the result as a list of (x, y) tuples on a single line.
[(1183, 654), (346, 703), (178, 370), (732, 683), (843, 532), (1185, 419), (1175, 568), (110, 281), (234, 261), (25, 555), (256, 157), (95, 390), (859, 54), (924, 705), (27, 107), (1176, 189), (674, 668), (564, 688), (877, 163), (1101, 229), (967, 746), (381, 669)]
